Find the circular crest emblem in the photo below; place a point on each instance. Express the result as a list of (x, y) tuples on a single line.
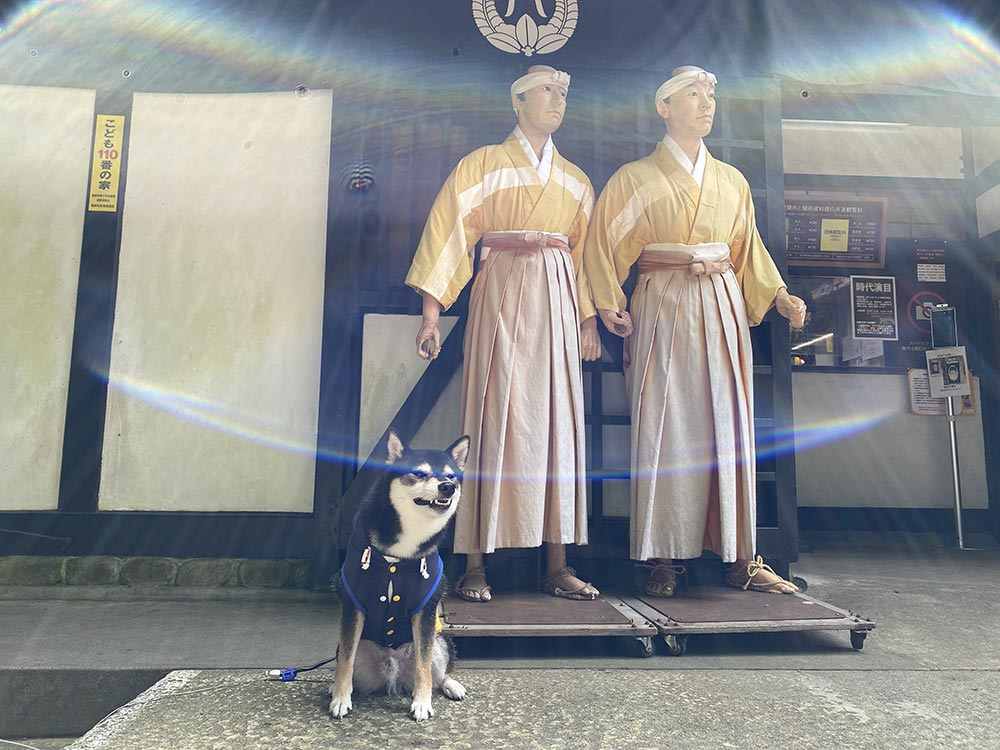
[(525, 35)]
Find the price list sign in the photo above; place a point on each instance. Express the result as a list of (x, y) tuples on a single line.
[(835, 231)]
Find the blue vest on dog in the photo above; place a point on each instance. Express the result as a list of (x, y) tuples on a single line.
[(366, 575)]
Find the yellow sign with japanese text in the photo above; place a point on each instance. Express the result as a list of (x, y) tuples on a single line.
[(833, 238), (106, 167)]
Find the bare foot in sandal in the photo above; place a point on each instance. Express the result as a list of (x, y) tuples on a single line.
[(662, 579), (756, 575), (473, 586), (565, 584)]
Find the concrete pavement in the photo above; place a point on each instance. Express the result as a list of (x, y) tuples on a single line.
[(928, 677)]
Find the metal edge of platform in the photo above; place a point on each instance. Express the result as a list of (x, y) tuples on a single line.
[(869, 624), (639, 626), (666, 626)]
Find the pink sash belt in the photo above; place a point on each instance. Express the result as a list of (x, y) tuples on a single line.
[(527, 240), (712, 257)]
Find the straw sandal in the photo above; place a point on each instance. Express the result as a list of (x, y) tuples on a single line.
[(473, 587), (662, 579), (756, 575), (584, 592)]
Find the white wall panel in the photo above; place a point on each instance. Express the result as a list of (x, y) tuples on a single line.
[(858, 445), (215, 361), (443, 425), (43, 189), (988, 211), (390, 368), (986, 146), (909, 151)]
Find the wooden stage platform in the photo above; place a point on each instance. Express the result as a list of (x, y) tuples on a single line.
[(691, 611)]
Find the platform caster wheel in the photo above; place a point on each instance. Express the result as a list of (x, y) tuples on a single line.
[(644, 646), (676, 644), (858, 639), (802, 583)]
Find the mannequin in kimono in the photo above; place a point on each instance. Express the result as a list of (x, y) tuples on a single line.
[(704, 278), (522, 391)]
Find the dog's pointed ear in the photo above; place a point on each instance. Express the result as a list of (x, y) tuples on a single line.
[(459, 450), (395, 447)]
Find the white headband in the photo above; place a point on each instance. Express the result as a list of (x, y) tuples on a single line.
[(682, 80), (539, 78)]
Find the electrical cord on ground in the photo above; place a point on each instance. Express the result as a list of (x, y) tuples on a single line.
[(289, 673)]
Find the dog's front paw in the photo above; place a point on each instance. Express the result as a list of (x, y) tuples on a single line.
[(453, 689), (340, 707), (421, 709)]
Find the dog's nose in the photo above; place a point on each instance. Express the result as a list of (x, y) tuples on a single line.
[(447, 488)]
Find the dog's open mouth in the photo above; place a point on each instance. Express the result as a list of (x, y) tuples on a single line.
[(442, 501)]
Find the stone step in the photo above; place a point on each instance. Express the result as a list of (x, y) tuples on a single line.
[(103, 570), (65, 702)]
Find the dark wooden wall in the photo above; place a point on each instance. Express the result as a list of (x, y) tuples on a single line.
[(414, 89)]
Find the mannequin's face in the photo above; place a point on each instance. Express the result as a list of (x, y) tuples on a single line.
[(690, 112), (542, 109)]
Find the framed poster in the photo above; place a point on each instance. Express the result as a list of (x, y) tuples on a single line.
[(923, 404), (829, 230), (948, 372), (926, 276), (873, 308)]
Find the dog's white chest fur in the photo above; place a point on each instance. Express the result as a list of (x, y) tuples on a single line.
[(419, 522)]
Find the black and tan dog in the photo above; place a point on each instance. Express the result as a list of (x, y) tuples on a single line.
[(392, 580)]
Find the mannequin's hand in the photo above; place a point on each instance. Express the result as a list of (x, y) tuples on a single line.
[(619, 322), (428, 341), (791, 307), (590, 340)]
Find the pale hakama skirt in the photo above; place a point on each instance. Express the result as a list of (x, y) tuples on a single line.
[(522, 405), (690, 386)]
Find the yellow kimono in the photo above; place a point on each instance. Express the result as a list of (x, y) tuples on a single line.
[(522, 390), (690, 382)]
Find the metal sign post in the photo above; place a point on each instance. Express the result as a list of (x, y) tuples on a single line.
[(955, 478), (948, 371)]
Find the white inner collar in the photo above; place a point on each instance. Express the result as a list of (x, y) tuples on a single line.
[(697, 169), (543, 165)]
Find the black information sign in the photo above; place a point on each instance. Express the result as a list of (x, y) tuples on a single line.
[(925, 278), (873, 307), (835, 231)]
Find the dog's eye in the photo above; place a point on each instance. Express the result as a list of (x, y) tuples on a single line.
[(450, 477), (419, 474)]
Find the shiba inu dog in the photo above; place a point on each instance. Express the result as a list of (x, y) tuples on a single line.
[(392, 580)]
